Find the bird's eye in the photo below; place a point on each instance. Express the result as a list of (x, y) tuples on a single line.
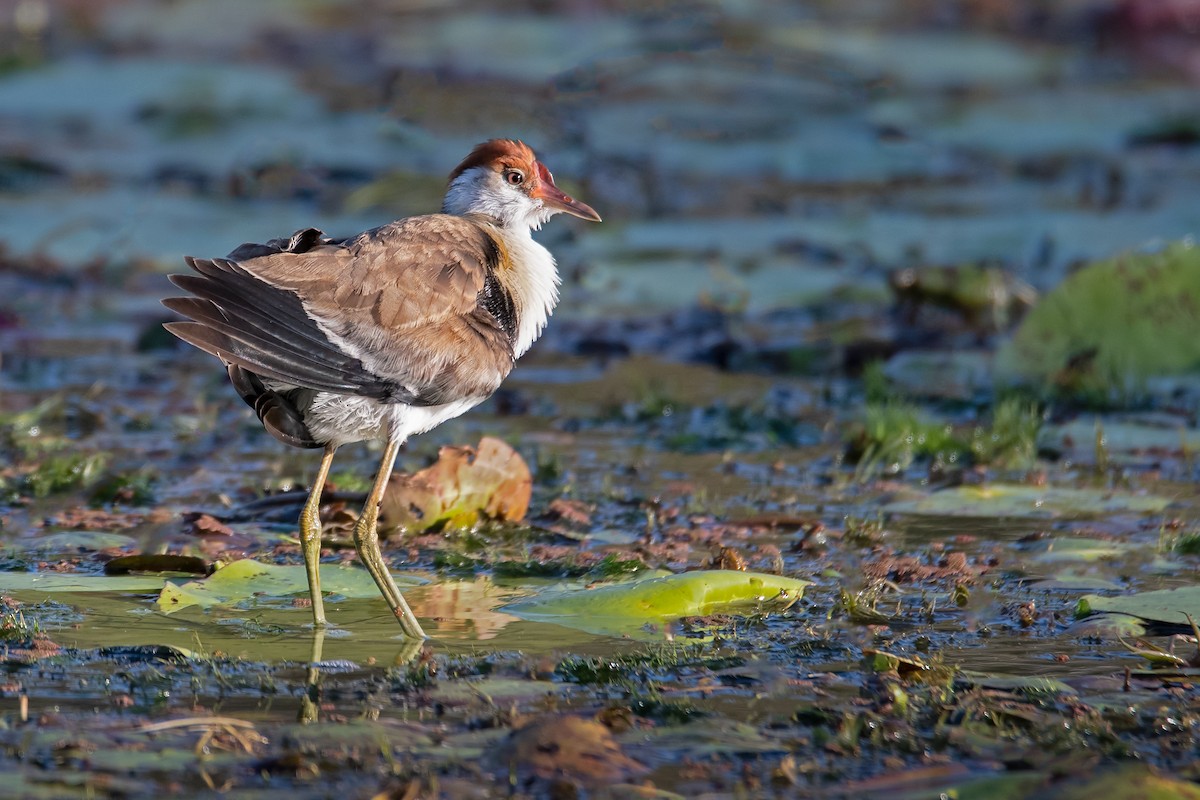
[(514, 177)]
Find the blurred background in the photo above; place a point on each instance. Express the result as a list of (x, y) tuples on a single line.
[(795, 189), (750, 155)]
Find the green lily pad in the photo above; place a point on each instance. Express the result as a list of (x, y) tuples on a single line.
[(1073, 548), (1028, 683), (250, 580), (59, 582), (1037, 502), (1077, 439), (1109, 626), (623, 608), (76, 541), (1170, 606), (1070, 581)]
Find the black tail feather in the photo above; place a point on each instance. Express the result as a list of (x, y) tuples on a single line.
[(275, 410)]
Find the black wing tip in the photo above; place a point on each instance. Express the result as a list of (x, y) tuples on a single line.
[(177, 304)]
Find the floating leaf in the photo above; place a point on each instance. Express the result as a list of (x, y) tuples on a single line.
[(1028, 683), (249, 579), (72, 582), (1070, 581), (1169, 606), (1077, 439), (1109, 626), (1041, 502), (76, 541), (624, 607), (464, 486), (1068, 548)]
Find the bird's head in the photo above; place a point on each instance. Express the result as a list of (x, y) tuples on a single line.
[(504, 179)]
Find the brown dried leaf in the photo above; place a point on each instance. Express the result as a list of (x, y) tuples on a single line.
[(464, 486), (206, 525), (566, 747), (726, 558), (575, 512)]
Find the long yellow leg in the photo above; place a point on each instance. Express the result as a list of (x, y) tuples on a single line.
[(366, 540), (310, 702), (310, 535)]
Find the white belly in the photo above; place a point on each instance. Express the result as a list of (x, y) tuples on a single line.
[(341, 419)]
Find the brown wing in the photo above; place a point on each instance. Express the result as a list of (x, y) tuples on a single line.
[(399, 313)]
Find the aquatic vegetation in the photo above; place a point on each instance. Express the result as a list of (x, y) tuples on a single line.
[(1111, 326), (62, 473), (894, 434), (987, 298), (1173, 607), (623, 608), (252, 582), (998, 500), (135, 488)]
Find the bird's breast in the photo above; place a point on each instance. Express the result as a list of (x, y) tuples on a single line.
[(528, 275)]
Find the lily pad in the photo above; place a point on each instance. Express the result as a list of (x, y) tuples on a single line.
[(1070, 580), (1067, 548), (1170, 606), (1077, 439), (1109, 627), (462, 487), (1028, 683), (80, 541), (250, 580), (52, 583), (1038, 502), (625, 607)]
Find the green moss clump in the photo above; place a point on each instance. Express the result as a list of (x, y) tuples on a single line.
[(1188, 544), (1110, 326), (130, 489), (895, 433), (63, 473), (613, 566), (456, 563)]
